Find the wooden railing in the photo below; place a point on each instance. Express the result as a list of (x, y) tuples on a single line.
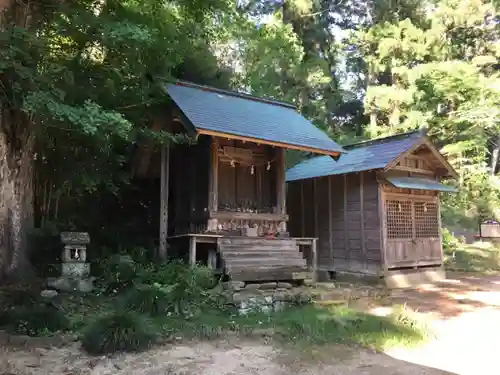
[(262, 223)]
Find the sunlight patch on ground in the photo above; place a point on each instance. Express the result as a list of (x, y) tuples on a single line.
[(381, 311)]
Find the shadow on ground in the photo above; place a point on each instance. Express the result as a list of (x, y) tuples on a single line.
[(460, 293)]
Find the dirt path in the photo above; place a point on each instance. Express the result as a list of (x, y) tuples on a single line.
[(465, 314), (222, 358)]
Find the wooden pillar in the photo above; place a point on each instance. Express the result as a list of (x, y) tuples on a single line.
[(213, 183), (192, 251), (314, 254), (330, 220), (280, 181), (440, 228), (383, 228), (164, 188), (315, 207), (302, 213), (281, 186), (213, 198), (362, 214), (346, 228)]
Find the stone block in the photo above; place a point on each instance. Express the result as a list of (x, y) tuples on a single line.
[(270, 285), (249, 287), (75, 238), (284, 285), (234, 285)]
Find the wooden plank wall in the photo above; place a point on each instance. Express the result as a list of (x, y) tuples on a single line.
[(238, 187), (188, 196), (343, 211)]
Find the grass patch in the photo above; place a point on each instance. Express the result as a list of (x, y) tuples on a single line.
[(307, 326), (474, 258)]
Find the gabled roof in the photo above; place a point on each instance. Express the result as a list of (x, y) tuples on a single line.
[(379, 153), (240, 116)]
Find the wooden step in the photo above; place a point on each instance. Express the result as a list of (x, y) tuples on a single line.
[(261, 247), (262, 254), (268, 274), (254, 241), (258, 259)]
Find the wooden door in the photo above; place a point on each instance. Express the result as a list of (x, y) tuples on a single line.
[(412, 231), (427, 232), (399, 232)]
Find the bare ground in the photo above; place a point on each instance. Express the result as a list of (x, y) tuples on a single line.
[(465, 312), (221, 358)]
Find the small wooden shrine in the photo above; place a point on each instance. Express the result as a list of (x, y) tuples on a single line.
[(376, 210), (226, 188)]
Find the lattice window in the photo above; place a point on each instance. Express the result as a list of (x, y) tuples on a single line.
[(399, 222), (426, 220)]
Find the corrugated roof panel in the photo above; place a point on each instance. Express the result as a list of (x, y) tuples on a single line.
[(365, 156), (220, 111), (419, 183)]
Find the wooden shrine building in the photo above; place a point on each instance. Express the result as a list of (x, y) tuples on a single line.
[(225, 191), (375, 210)]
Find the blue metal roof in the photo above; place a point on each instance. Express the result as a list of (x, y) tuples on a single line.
[(419, 183), (243, 115), (374, 154)]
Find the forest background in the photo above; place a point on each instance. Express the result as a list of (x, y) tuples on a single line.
[(80, 81)]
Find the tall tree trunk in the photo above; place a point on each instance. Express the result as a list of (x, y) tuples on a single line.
[(494, 156), (16, 201), (16, 160)]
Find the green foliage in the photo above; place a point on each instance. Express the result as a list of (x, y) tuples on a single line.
[(118, 332), (120, 273), (34, 321), (475, 258), (153, 299), (450, 242), (187, 289)]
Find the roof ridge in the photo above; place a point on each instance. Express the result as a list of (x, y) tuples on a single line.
[(237, 94), (422, 132)]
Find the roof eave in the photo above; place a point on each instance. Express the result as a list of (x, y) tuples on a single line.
[(270, 143)]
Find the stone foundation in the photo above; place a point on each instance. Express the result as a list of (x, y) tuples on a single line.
[(272, 296)]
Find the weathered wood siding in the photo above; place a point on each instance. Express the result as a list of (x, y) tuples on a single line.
[(241, 189), (188, 198), (343, 212)]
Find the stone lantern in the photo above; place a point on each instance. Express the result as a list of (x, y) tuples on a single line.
[(75, 271)]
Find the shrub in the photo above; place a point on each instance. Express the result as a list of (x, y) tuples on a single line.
[(118, 332), (188, 287), (34, 321), (450, 242), (120, 272), (151, 299)]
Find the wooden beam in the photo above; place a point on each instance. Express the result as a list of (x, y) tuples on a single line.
[(164, 190), (247, 216), (265, 142), (413, 170), (280, 181)]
